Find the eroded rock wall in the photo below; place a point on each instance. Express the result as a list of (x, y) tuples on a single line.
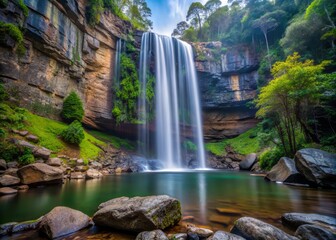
[(228, 81)]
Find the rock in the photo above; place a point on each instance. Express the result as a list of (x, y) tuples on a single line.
[(178, 236), (61, 221), (251, 228), (12, 172), (77, 175), (21, 133), (23, 188), (43, 153), (6, 228), (81, 168), (39, 161), (8, 180), (32, 138), (192, 236), (319, 167), (3, 164), (248, 162), (256, 168), (93, 173), (38, 173), (226, 220), (56, 162), (27, 225), (285, 171), (118, 170), (114, 201), (230, 211), (139, 213), (221, 235), (153, 235), (201, 232), (294, 220), (12, 164), (312, 232), (96, 165), (7, 191), (80, 162)]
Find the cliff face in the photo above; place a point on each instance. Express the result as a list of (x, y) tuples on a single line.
[(63, 54), (228, 80)]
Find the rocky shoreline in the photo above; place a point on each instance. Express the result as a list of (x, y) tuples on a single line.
[(160, 217)]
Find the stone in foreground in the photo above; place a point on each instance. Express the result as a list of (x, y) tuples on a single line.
[(251, 228), (294, 220), (248, 162), (201, 232), (311, 232), (93, 173), (221, 235), (56, 162), (8, 180), (62, 221), (40, 173), (286, 172), (178, 236), (153, 235), (7, 191), (3, 164), (319, 167), (139, 213), (27, 225)]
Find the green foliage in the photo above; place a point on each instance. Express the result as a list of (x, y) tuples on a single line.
[(189, 146), (2, 133), (11, 117), (72, 108), (9, 151), (15, 33), (115, 141), (23, 7), (94, 10), (74, 134), (3, 93), (127, 92), (3, 3), (270, 157), (27, 157)]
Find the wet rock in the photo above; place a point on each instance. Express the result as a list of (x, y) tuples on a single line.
[(93, 173), (226, 220), (248, 162), (294, 220), (319, 167), (192, 236), (221, 235), (27, 225), (12, 164), (3, 164), (77, 175), (32, 138), (251, 228), (178, 236), (230, 211), (201, 232), (8, 180), (40, 173), (96, 165), (61, 221), (43, 153), (56, 162), (12, 172), (118, 170), (7, 191), (312, 232), (113, 201), (23, 188), (139, 213), (286, 172), (152, 235), (6, 228)]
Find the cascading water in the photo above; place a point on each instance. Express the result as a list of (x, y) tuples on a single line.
[(177, 104)]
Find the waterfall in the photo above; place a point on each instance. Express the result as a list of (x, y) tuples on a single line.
[(176, 102)]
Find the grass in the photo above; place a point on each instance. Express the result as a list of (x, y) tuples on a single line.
[(113, 140), (244, 144)]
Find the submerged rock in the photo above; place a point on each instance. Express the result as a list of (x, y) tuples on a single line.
[(8, 180), (286, 172), (319, 167), (248, 162), (253, 229), (312, 232), (139, 213), (62, 221), (294, 220), (153, 235), (40, 173), (7, 191), (27, 225), (221, 235)]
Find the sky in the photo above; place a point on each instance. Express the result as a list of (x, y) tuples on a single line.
[(167, 13)]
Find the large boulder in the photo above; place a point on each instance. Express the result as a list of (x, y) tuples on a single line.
[(152, 235), (312, 232), (221, 235), (200, 232), (8, 180), (248, 162), (253, 229), (40, 173), (139, 213), (319, 167), (7, 191), (61, 221), (285, 171), (294, 220)]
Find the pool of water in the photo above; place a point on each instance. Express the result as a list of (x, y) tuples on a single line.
[(211, 198)]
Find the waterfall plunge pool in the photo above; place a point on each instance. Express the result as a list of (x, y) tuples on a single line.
[(203, 195)]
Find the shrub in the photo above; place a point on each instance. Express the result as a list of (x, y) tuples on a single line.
[(72, 108), (9, 151), (270, 157), (27, 157), (74, 134), (3, 3), (3, 93)]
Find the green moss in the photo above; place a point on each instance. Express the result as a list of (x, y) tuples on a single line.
[(15, 33), (113, 140), (23, 7), (244, 144)]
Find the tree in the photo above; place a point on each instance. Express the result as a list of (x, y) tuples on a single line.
[(211, 6), (180, 28), (72, 108), (289, 100), (195, 13), (74, 133)]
